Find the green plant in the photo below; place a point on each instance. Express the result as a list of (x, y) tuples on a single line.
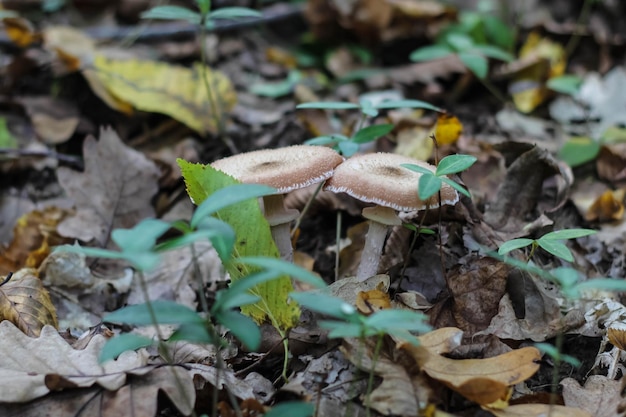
[(550, 242), (430, 183), (205, 19), (348, 146)]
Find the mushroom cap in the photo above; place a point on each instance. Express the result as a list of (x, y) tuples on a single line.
[(286, 169), (378, 178)]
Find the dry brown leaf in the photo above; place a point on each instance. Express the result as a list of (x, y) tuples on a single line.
[(609, 206), (600, 396), (611, 162), (480, 380), (26, 303), (442, 340), (114, 191), (20, 31), (54, 119), (369, 302), (539, 410)]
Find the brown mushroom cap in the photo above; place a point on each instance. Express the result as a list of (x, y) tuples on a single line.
[(286, 169), (378, 178)]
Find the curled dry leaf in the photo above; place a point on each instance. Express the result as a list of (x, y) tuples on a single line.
[(26, 303)]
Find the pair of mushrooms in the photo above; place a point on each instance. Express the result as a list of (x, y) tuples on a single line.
[(373, 178)]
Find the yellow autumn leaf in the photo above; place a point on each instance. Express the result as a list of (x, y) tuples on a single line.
[(173, 90), (448, 129), (540, 59)]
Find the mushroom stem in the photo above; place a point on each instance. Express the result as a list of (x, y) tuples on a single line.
[(380, 219), (280, 219)]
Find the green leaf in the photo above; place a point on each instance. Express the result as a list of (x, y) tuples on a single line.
[(340, 329), (456, 186), (244, 328), (166, 312), (324, 304), (326, 140), (407, 104), (498, 32), (393, 319), (513, 244), (328, 105), (454, 163), (417, 168), (368, 109), (172, 13), (553, 352), (579, 150), (141, 238), (371, 133), (493, 52), (347, 148), (556, 248), (428, 186), (565, 84), (459, 42), (286, 268), (476, 63), (430, 53), (192, 332), (220, 234), (7, 140), (607, 284), (234, 13), (291, 409), (230, 298), (278, 88), (117, 345), (567, 234), (228, 196), (253, 239)]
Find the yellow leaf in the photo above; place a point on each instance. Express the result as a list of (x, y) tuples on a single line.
[(541, 59), (448, 129), (608, 207), (368, 302), (20, 31), (415, 142), (173, 90)]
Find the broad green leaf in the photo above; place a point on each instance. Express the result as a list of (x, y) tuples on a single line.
[(324, 304), (172, 13), (565, 84), (328, 105), (417, 168), (192, 332), (227, 196), (286, 268), (244, 328), (476, 63), (428, 185), (493, 52), (456, 186), (567, 234), (371, 133), (291, 409), (234, 13), (454, 163), (407, 104), (513, 244), (556, 248), (117, 345), (579, 150), (347, 148), (430, 53), (253, 239), (141, 238), (166, 312), (498, 32), (459, 42)]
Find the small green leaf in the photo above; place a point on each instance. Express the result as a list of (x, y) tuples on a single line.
[(579, 150), (236, 299), (172, 13), (430, 53), (234, 13), (407, 104), (244, 328), (553, 352), (417, 168), (291, 409), (394, 319), (278, 88), (498, 32), (347, 148), (513, 244), (567, 234), (285, 268), (607, 284), (117, 345), (565, 84), (326, 140), (556, 248), (428, 185), (341, 329), (166, 312), (224, 298), (141, 238), (476, 63), (459, 42), (493, 52), (227, 196), (371, 133), (368, 109), (328, 105), (192, 332), (456, 186), (454, 163), (324, 304)]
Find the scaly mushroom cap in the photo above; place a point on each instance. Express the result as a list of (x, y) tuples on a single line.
[(378, 178), (286, 169)]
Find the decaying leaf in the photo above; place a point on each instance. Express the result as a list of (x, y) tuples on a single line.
[(26, 303), (113, 192), (162, 88), (600, 396), (608, 206), (54, 119), (539, 410), (611, 162), (369, 302)]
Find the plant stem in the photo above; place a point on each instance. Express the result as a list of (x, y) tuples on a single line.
[(338, 244), (583, 18), (306, 208)]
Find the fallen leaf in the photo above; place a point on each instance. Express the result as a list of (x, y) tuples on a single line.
[(20, 31), (600, 396), (369, 302), (448, 129), (611, 162), (608, 206), (539, 410), (114, 191), (54, 119), (26, 303)]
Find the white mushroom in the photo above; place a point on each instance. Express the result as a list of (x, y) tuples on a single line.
[(285, 169), (378, 178)]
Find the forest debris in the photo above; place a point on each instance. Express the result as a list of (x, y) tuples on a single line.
[(599, 396)]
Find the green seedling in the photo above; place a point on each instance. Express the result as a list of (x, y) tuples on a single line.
[(430, 183), (550, 242), (556, 355), (348, 146)]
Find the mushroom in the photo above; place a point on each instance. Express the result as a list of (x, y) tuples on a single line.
[(285, 169), (378, 178)]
